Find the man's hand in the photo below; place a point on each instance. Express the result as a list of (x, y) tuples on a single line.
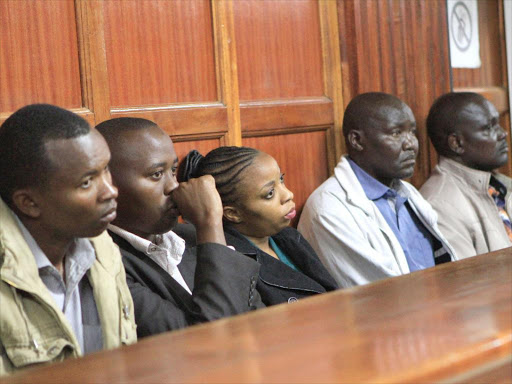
[(199, 203)]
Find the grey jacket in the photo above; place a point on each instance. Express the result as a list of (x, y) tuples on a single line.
[(468, 216)]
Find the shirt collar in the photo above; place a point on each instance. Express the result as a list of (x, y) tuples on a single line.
[(373, 188), (169, 241), (81, 251), (498, 186)]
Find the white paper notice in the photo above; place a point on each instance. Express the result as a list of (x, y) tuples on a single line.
[(463, 31)]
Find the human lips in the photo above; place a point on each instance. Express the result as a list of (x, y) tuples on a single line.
[(409, 160), (290, 215), (503, 147), (173, 210), (110, 214)]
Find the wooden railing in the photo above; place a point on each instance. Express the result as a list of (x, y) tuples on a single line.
[(451, 323)]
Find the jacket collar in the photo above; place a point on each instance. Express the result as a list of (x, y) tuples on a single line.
[(18, 264), (349, 182), (275, 272), (473, 178)]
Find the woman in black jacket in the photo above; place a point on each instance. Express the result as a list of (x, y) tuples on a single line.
[(258, 209)]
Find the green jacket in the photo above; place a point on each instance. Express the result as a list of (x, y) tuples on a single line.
[(32, 328)]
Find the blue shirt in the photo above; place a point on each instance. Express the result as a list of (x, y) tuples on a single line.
[(416, 241)]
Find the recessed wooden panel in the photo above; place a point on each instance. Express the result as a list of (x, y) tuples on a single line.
[(159, 52), (257, 116), (301, 156), (189, 120), (278, 45), (203, 146), (38, 54)]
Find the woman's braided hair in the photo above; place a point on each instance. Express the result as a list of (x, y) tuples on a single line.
[(225, 164)]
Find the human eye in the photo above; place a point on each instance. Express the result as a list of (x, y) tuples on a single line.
[(281, 178), (157, 175), (86, 184), (396, 133), (174, 170), (270, 194)]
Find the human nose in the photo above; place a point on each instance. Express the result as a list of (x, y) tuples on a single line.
[(287, 195), (410, 141), (171, 183), (109, 190), (502, 134)]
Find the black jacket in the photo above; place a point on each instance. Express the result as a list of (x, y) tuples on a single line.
[(222, 282), (278, 283)]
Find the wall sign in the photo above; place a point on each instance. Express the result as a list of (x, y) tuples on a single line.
[(463, 32)]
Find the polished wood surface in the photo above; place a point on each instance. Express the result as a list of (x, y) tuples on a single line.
[(278, 49), (38, 54), (226, 70), (159, 52), (451, 323)]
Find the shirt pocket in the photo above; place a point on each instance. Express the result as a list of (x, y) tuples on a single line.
[(31, 333)]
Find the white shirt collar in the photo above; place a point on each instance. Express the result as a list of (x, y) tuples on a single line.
[(166, 250), (81, 251)]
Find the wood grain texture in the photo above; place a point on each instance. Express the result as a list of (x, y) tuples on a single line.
[(93, 59), (301, 156), (385, 49), (227, 69), (279, 51), (184, 119), (159, 52), (39, 54), (429, 326), (204, 146), (271, 115)]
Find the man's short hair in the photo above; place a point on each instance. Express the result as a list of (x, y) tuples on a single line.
[(443, 117), (110, 129), (363, 106), (23, 159)]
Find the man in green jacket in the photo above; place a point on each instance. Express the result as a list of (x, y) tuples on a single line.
[(63, 289)]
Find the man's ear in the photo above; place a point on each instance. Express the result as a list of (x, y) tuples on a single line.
[(25, 201), (355, 139), (456, 143), (232, 214)]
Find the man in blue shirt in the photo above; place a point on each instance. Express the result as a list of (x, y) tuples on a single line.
[(364, 222)]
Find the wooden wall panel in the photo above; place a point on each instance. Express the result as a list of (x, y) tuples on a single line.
[(279, 49), (38, 54), (385, 48), (159, 52), (491, 55), (301, 156), (203, 146)]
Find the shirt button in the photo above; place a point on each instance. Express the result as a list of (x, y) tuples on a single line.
[(152, 249), (292, 300)]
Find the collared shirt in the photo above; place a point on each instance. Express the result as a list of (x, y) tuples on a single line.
[(498, 192), (166, 250), (416, 241), (75, 297)]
